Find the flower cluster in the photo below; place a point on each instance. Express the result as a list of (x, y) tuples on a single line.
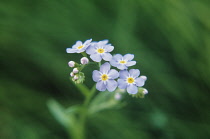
[(107, 78)]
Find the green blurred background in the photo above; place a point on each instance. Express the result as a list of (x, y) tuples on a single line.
[(171, 43)]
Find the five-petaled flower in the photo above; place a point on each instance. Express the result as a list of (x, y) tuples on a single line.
[(105, 78), (130, 80), (100, 50), (79, 47), (122, 62)]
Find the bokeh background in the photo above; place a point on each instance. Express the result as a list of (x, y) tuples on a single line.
[(171, 43)]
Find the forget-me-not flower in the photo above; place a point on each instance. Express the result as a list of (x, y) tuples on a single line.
[(100, 50), (122, 62), (105, 78), (79, 47), (130, 80)]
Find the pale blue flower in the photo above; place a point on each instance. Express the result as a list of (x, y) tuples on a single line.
[(100, 50), (122, 62), (79, 47), (105, 78), (130, 80)]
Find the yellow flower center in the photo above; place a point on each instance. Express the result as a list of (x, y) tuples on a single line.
[(100, 50), (130, 80), (104, 77), (80, 47), (122, 62)]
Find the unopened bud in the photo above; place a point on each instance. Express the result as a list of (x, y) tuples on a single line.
[(84, 60), (117, 96), (143, 77), (75, 70), (145, 91), (79, 78), (71, 74), (75, 77), (141, 93), (71, 64)]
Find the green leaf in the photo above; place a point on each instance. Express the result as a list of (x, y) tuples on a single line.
[(74, 109), (103, 101), (59, 113)]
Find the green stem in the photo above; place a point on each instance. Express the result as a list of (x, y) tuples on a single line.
[(78, 131), (89, 96), (82, 67), (84, 54)]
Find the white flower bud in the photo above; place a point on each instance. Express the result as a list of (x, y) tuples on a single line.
[(71, 74), (71, 64), (84, 60), (145, 91), (143, 77), (75, 70), (117, 96), (75, 77)]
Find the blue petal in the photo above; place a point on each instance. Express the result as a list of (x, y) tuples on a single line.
[(132, 89), (117, 57), (87, 41), (100, 86), (123, 74), (96, 45), (78, 43), (94, 42), (134, 73), (84, 48), (122, 84), (96, 57), (114, 62), (143, 77), (81, 50), (121, 66), (113, 74), (91, 50), (139, 81), (130, 63), (104, 69), (111, 85), (103, 42), (109, 48), (96, 75), (107, 56), (128, 57), (70, 50)]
